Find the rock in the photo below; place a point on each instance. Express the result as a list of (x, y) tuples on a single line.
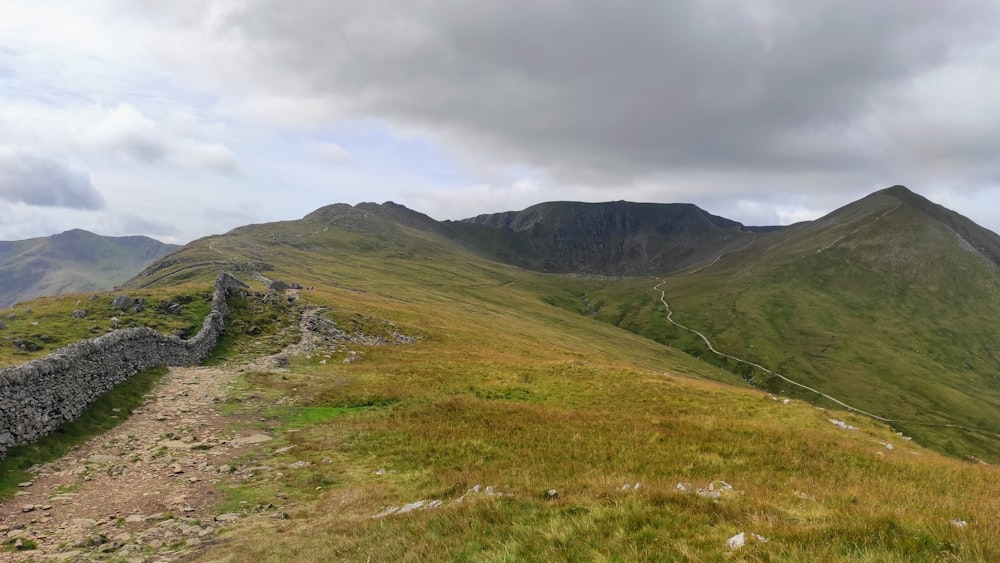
[(719, 486), (172, 308), (79, 314), (3, 326), (737, 541), (841, 424), (551, 494), (283, 450), (225, 468), (411, 507), (227, 518), (252, 439), (117, 470), (389, 511), (299, 465), (26, 484), (740, 540), (83, 522), (958, 523), (102, 459), (381, 471), (684, 487), (122, 302)]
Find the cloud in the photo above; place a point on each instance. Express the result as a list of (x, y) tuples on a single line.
[(41, 182), (126, 132), (461, 203), (608, 94), (331, 152)]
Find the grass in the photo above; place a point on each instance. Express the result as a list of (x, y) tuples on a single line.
[(521, 382), (47, 324), (868, 320), (108, 411)]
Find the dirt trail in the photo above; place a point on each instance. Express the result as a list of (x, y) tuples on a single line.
[(670, 318), (146, 490)]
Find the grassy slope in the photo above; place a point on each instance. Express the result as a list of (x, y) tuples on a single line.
[(869, 319), (71, 262), (505, 389)]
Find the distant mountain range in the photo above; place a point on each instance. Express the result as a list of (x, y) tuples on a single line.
[(71, 262)]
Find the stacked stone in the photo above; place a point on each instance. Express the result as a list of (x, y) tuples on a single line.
[(35, 398)]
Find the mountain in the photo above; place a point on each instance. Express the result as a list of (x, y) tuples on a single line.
[(72, 262), (614, 238), (888, 304), (520, 421)]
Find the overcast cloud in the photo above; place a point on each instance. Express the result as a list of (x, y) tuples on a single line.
[(762, 111)]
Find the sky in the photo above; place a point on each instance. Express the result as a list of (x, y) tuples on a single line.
[(178, 119)]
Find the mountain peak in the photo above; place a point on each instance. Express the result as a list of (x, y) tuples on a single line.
[(896, 191)]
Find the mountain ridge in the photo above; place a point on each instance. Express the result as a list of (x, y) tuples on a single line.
[(72, 261)]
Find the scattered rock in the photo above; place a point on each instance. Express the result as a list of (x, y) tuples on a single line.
[(740, 540), (252, 439), (737, 541), (227, 518), (411, 507), (841, 424)]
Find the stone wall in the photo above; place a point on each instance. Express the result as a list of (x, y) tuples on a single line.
[(35, 398)]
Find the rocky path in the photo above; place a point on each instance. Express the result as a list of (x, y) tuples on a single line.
[(146, 490)]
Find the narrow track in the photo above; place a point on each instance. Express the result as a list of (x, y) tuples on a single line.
[(670, 313)]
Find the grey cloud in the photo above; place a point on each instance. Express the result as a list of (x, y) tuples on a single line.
[(607, 93), (38, 181)]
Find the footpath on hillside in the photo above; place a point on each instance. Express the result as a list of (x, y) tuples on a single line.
[(148, 489)]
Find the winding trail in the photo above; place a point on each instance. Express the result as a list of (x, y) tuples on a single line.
[(723, 255), (670, 313)]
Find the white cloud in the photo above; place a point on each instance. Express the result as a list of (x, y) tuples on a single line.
[(36, 180), (461, 203), (332, 152)]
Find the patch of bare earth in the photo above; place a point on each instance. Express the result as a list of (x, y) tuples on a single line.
[(146, 490)]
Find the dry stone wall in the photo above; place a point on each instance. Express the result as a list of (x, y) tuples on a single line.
[(35, 398)]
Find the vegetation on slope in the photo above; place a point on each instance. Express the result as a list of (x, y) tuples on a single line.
[(506, 390), (879, 304), (72, 262)]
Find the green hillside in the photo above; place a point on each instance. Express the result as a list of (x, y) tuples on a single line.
[(508, 387), (519, 383), (72, 262), (888, 304)]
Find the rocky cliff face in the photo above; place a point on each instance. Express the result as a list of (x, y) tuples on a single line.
[(614, 238)]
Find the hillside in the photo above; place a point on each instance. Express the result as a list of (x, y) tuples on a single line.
[(72, 262), (888, 303), (446, 448)]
